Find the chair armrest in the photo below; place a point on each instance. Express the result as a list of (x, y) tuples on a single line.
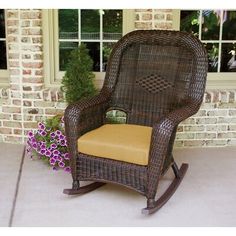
[(161, 134), (81, 117)]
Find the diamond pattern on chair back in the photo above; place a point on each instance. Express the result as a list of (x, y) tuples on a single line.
[(152, 77)]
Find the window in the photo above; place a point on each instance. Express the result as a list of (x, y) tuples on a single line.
[(217, 30), (98, 29), (3, 49)]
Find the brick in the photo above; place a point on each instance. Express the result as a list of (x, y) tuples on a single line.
[(207, 97), (143, 25), (4, 130), (159, 16), (25, 23), (16, 102), (163, 25), (30, 125), (12, 14), (33, 111), (217, 113), (31, 14), (14, 72), (188, 121), (27, 103), (14, 64), (12, 39), (32, 48), (146, 17), (205, 135), (27, 72), (178, 143), (12, 31), (36, 23), (232, 127), (38, 40), (224, 97), (231, 97), (38, 72), (13, 55), (227, 105), (193, 128), (38, 56), (231, 142), (35, 95), (227, 120), (54, 111), (194, 143), (5, 116), (169, 17), (226, 135), (232, 112), (17, 131), (206, 120), (32, 80), (11, 109), (44, 104), (17, 117), (26, 56), (216, 127), (13, 124), (13, 139), (27, 88), (28, 117), (185, 136), (216, 142), (26, 40), (32, 64)]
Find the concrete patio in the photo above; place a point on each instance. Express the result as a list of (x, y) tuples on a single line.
[(31, 194)]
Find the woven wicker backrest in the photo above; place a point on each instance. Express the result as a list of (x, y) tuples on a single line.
[(152, 72)]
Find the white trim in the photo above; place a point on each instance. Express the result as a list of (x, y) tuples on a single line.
[(52, 74), (216, 80), (4, 74)]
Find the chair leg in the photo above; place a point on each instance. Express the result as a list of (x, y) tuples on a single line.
[(76, 189), (154, 205)]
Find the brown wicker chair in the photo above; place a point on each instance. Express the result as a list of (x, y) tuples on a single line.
[(158, 78)]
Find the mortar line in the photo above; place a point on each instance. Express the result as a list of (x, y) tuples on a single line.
[(17, 188)]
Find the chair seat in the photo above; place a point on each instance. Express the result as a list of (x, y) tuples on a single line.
[(122, 142)]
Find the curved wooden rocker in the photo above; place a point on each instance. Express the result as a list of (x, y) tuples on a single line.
[(153, 206)]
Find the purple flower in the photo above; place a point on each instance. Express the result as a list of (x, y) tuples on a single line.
[(63, 143), (66, 156), (53, 146), (56, 152), (43, 146), (48, 153), (58, 132), (61, 164), (30, 134), (62, 137), (59, 159), (41, 126), (52, 161), (43, 133), (34, 145), (67, 169), (53, 135), (42, 151)]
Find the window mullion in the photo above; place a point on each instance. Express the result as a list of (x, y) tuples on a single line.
[(101, 36), (220, 40), (200, 25), (79, 26)]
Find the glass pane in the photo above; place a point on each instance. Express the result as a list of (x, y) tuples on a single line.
[(189, 22), (68, 24), (2, 24), (64, 55), (228, 58), (229, 25), (210, 25), (112, 24), (94, 52), (107, 48), (213, 55), (3, 57), (90, 24)]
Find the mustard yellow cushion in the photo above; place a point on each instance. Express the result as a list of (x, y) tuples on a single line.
[(122, 142)]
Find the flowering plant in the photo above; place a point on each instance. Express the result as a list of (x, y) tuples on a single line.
[(49, 143)]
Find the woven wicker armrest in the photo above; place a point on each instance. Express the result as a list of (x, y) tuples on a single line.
[(161, 135), (81, 117)]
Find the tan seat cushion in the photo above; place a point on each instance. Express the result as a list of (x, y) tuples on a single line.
[(122, 142)]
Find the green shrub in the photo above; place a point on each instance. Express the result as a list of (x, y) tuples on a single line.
[(78, 80)]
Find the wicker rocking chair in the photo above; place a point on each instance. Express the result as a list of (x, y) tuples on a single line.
[(158, 79)]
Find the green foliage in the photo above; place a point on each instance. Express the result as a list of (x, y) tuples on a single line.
[(78, 80)]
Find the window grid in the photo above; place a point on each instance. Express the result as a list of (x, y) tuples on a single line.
[(100, 40)]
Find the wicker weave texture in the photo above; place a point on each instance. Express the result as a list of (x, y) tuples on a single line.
[(158, 78)]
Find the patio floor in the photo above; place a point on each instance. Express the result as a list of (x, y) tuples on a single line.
[(31, 194)]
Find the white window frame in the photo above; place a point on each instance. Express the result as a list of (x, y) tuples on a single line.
[(215, 80), (51, 47), (4, 74)]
